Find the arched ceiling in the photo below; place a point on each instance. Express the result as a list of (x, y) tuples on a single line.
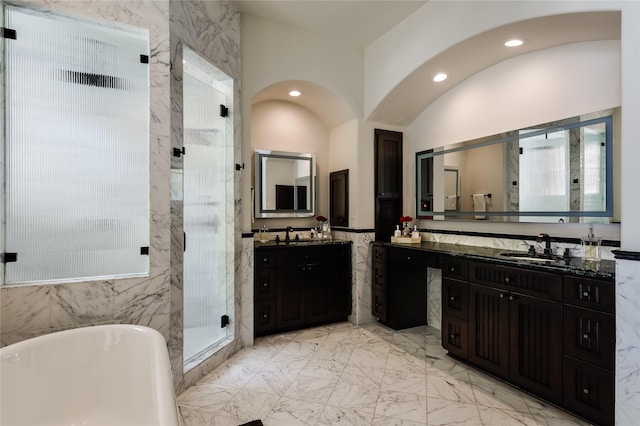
[(333, 110), (417, 91)]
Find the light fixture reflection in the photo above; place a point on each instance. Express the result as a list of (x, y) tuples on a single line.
[(440, 77), (295, 93)]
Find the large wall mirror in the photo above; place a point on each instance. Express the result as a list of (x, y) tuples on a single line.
[(285, 184), (554, 172)]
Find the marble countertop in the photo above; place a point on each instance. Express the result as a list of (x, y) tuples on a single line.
[(604, 269)]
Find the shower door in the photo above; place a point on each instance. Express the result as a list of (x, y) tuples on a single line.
[(207, 256)]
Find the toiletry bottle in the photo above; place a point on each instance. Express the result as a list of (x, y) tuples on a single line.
[(397, 233), (591, 246), (415, 233)]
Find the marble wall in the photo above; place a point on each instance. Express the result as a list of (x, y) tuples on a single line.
[(213, 30), (627, 342)]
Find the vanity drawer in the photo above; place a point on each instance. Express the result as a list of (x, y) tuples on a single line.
[(264, 320), (455, 336), (408, 256), (455, 298), (455, 268), (589, 391), (265, 258), (379, 304), (589, 293), (379, 275), (379, 253), (533, 283), (590, 336), (264, 283)]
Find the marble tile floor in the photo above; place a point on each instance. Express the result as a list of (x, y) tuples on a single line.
[(357, 375)]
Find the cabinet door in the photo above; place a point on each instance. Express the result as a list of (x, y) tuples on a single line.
[(318, 295), (536, 345), (290, 298), (489, 329), (264, 284), (341, 279), (387, 182)]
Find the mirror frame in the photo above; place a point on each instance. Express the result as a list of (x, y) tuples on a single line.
[(261, 154), (431, 153)]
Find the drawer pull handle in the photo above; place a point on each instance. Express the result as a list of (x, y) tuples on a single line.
[(585, 391), (585, 294), (585, 336)]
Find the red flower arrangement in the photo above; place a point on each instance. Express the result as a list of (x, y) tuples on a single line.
[(321, 218), (406, 219)]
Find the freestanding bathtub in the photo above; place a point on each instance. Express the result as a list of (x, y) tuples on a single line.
[(109, 375)]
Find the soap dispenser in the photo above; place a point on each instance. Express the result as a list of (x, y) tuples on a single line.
[(591, 246), (397, 233)]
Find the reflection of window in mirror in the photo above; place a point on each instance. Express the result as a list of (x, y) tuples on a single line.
[(339, 198), (451, 192)]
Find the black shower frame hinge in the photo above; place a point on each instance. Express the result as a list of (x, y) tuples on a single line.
[(239, 166), (9, 33), (178, 152), (224, 111), (9, 257), (144, 251), (224, 321), (144, 59)]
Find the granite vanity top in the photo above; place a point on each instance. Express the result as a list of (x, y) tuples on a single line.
[(302, 242), (604, 269)]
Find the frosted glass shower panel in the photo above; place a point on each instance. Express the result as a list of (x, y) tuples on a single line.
[(77, 142), (207, 226)]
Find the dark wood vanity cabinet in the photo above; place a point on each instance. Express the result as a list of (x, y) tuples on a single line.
[(399, 286), (455, 306), (589, 348), (299, 286), (513, 332)]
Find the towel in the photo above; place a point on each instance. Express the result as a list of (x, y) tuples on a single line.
[(452, 201), (479, 205)]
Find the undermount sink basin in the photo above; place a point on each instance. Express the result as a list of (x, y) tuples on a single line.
[(529, 257)]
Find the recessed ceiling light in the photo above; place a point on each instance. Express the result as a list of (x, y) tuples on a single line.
[(514, 42), (295, 93), (440, 77)]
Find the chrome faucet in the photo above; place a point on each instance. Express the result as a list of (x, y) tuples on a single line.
[(547, 243)]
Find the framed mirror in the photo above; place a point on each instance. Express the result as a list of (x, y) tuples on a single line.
[(285, 184), (554, 172)]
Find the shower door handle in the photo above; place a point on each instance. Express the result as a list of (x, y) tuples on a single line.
[(184, 241)]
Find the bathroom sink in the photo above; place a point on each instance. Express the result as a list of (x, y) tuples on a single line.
[(529, 257)]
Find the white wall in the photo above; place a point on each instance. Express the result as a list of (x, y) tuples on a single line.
[(343, 154), (283, 126)]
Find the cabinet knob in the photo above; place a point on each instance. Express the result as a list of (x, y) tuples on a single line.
[(507, 279), (585, 336), (265, 260), (453, 335), (452, 298), (408, 257), (265, 284), (501, 296), (585, 391), (585, 293), (511, 297), (264, 316), (452, 269)]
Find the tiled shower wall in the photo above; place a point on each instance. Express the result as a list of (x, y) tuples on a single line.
[(213, 30)]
